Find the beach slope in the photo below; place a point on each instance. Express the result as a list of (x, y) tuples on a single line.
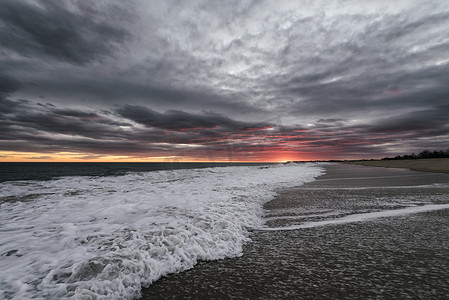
[(438, 165)]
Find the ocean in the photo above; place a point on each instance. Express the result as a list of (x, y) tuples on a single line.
[(105, 231)]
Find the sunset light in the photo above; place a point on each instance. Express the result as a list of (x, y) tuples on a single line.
[(284, 84), (243, 149)]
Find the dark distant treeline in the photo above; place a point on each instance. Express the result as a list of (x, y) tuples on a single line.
[(423, 154)]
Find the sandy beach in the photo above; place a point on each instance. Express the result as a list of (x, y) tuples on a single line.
[(356, 232), (439, 165)]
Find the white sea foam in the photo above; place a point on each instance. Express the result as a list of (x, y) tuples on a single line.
[(362, 217), (106, 237), (392, 187), (327, 213)]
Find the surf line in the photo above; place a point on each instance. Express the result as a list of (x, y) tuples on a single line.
[(362, 217)]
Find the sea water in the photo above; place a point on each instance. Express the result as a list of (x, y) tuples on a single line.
[(106, 237)]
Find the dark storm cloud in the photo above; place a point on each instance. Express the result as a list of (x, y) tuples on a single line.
[(22, 118), (75, 113), (46, 128), (51, 28), (178, 120), (101, 89), (430, 122), (149, 78), (49, 129), (8, 85), (398, 91)]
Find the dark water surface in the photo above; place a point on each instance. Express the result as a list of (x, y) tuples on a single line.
[(50, 170), (398, 257)]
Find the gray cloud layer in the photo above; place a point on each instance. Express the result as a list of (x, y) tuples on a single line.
[(51, 28), (154, 78)]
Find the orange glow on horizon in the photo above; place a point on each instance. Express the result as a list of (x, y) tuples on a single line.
[(284, 156), (8, 156)]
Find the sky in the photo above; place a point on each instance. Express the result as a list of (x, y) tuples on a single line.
[(150, 80)]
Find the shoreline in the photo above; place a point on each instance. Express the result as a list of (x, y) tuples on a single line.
[(436, 165), (358, 232)]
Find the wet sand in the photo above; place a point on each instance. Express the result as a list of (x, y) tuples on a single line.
[(439, 165), (403, 256)]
